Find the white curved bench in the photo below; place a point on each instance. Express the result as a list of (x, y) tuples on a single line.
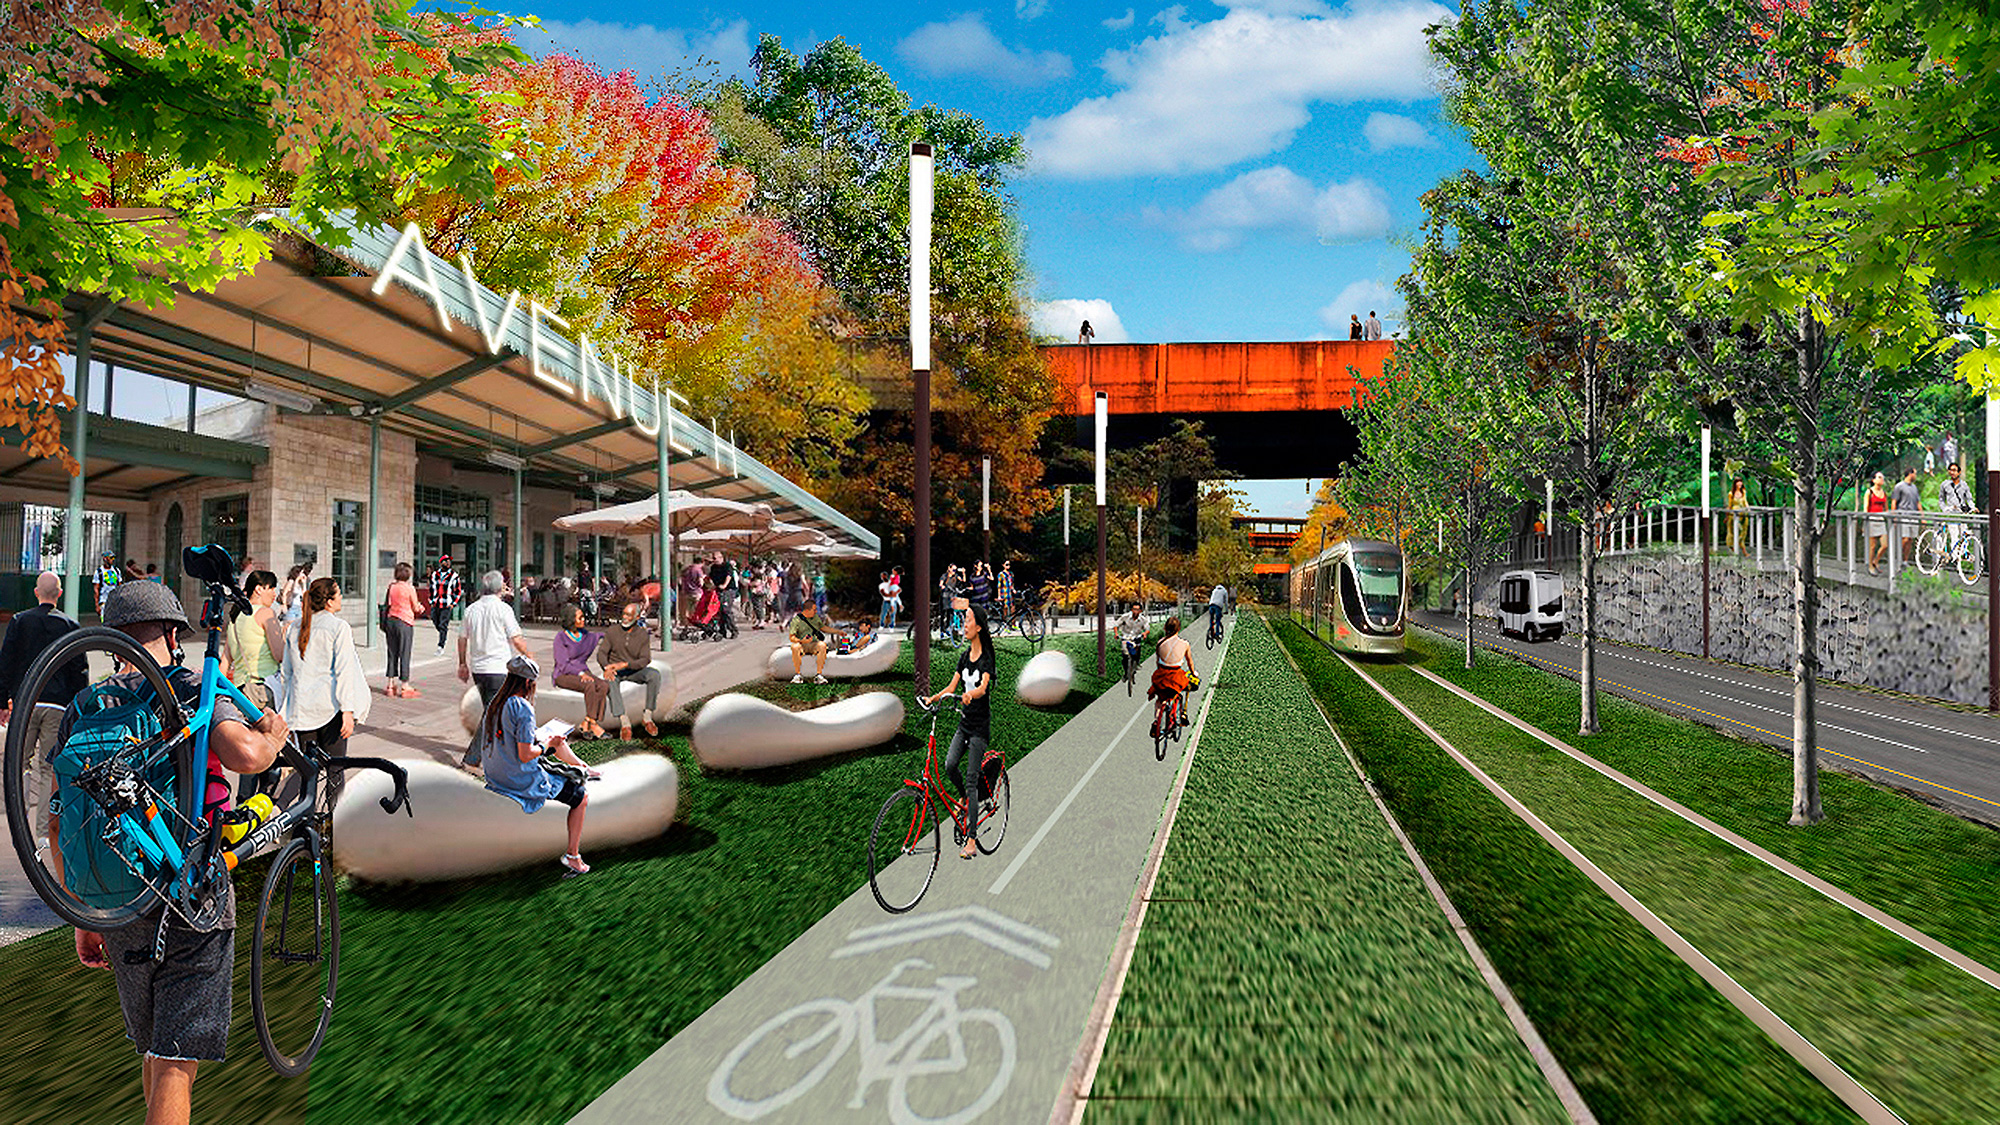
[(462, 828), (552, 702), (877, 657), (1045, 679), (739, 732)]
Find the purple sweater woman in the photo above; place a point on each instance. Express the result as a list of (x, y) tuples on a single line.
[(574, 645)]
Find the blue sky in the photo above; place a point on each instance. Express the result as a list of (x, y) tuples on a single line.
[(1199, 171)]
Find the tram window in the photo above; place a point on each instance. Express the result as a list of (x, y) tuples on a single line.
[(1380, 576)]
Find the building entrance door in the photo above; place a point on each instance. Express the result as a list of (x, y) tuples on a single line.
[(464, 552)]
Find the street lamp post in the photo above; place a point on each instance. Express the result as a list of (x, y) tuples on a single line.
[(1705, 537), (986, 506), (1992, 552), (920, 372), (1103, 411), (1066, 571), (1139, 551)]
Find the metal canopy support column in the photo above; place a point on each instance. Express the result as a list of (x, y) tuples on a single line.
[(75, 542), (372, 516), (663, 408), (514, 543)]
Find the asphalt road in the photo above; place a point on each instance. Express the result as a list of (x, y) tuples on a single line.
[(1946, 755), (971, 1006)]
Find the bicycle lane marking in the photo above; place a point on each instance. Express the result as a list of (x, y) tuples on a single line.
[(1041, 833)]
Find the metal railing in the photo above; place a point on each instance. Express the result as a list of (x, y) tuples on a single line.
[(1761, 538)]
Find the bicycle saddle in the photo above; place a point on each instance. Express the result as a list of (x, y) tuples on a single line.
[(210, 564)]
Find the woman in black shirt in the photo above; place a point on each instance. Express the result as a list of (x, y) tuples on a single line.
[(975, 668)]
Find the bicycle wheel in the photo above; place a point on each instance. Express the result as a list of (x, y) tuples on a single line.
[(907, 829), (1130, 666), (1930, 551), (1034, 629), (29, 784), (991, 827), (295, 959), (1164, 719), (1971, 559)]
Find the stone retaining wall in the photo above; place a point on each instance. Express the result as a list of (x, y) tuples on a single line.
[(1928, 638)]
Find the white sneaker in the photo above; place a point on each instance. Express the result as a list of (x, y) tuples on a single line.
[(819, 679), (798, 679)]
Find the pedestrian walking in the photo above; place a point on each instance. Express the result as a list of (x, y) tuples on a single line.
[(819, 590), (979, 591), (325, 691), (31, 632), (1907, 497), (760, 595), (1950, 449), (1738, 502), (882, 588), (722, 572), (895, 594), (292, 595), (691, 578), (491, 636), (445, 589), (403, 605), (108, 575), (1006, 588), (255, 643), (1877, 500)]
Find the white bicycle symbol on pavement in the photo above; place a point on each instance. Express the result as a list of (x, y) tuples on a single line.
[(898, 1060)]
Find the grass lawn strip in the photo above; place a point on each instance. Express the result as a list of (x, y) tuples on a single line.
[(1643, 1037), (573, 982), (1293, 967), (1915, 861), (1916, 1032)]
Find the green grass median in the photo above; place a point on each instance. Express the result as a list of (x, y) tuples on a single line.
[(1643, 1038), (1292, 966), (522, 996)]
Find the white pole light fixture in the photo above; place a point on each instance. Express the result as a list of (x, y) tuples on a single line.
[(920, 257), (1103, 412)]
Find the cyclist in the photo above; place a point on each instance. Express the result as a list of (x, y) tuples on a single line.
[(975, 668), (1217, 599), (1131, 631), (176, 1009), (1955, 496), (1175, 665)]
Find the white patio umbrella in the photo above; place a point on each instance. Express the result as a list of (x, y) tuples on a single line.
[(774, 537), (840, 551), (689, 513)]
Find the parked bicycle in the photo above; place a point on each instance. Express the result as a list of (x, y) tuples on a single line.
[(910, 824), (172, 846), (1953, 546), (1029, 617)]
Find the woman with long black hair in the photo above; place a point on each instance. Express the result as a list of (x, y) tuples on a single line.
[(968, 746), (509, 756)]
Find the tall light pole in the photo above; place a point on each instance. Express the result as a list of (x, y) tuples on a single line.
[(986, 505), (920, 373), (1103, 413), (1139, 550), (1992, 552), (1065, 535), (1705, 437)]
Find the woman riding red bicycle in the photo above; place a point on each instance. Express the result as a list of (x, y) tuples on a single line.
[(975, 668), (1174, 665)]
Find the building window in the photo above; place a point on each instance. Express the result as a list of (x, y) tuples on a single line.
[(224, 520), (348, 517), (33, 537), (560, 564), (540, 558)]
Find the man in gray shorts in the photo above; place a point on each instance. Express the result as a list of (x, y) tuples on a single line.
[(176, 1009)]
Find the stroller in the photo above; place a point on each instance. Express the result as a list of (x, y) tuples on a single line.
[(706, 624)]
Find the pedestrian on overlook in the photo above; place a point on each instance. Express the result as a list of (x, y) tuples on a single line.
[(1354, 329), (1877, 500), (1086, 334), (403, 606), (491, 637), (31, 632), (1907, 497), (325, 691), (1737, 503), (446, 589), (1373, 326)]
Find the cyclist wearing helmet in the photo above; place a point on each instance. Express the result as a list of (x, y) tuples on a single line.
[(176, 1009)]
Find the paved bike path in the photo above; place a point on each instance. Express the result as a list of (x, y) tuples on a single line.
[(1018, 942)]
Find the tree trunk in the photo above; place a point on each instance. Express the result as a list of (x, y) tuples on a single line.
[(1586, 566), (1805, 579)]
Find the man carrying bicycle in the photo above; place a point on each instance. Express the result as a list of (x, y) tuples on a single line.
[(177, 1008)]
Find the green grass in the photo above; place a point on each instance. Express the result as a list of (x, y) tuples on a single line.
[(520, 997), (1918, 1033), (1643, 1038), (1292, 965)]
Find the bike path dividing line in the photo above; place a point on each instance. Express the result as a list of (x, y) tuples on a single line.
[(1836, 1079), (966, 1009)]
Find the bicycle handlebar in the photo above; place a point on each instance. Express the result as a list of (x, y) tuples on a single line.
[(928, 707), (397, 774)]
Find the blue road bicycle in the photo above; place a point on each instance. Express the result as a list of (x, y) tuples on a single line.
[(173, 845)]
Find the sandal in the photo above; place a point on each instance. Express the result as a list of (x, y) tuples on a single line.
[(652, 730), (411, 693), (625, 733), (573, 869)]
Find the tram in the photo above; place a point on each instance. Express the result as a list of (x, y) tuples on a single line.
[(1352, 594)]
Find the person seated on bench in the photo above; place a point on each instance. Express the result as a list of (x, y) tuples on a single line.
[(854, 640), (574, 644), (808, 635), (626, 652), (511, 753)]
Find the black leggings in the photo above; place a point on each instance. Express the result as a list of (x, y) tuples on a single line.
[(332, 745), (957, 754)]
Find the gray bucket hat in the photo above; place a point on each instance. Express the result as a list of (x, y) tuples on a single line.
[(524, 667), (130, 603)]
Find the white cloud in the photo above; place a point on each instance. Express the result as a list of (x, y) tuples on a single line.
[(1061, 319), (1357, 300), (1207, 95), (1030, 9), (645, 50), (967, 46), (1120, 23), (1393, 130), (1280, 199)]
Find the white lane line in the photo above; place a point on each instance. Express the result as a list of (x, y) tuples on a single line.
[(1843, 1085), (1965, 964), (1823, 726), (1041, 833)]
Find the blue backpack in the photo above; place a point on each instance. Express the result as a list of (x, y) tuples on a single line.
[(103, 720)]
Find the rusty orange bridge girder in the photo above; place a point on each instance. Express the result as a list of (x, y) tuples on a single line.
[(1215, 378)]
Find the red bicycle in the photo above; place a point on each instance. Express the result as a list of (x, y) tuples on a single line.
[(910, 825), (1169, 715)]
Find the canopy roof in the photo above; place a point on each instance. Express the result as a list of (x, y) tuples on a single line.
[(409, 339)]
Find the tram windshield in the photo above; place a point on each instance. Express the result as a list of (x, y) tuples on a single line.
[(1380, 574)]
